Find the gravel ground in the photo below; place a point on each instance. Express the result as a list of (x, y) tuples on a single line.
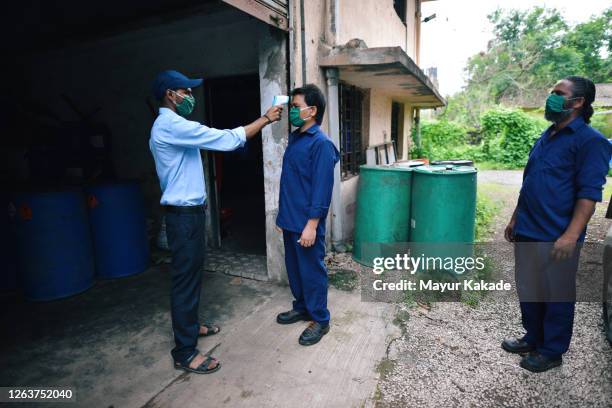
[(450, 354), (504, 177)]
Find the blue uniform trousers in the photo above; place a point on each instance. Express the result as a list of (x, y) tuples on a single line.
[(307, 276), (547, 291)]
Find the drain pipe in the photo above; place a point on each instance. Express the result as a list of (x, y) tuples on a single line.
[(335, 20), (303, 35), (334, 132)]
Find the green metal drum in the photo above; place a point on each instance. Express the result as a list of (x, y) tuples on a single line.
[(382, 215), (443, 213)]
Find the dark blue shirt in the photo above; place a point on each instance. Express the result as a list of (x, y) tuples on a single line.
[(307, 180), (563, 168)]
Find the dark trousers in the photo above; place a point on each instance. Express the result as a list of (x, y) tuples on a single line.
[(187, 240), (307, 276), (546, 289)]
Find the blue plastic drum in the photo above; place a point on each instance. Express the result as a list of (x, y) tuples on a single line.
[(53, 243), (118, 225), (8, 257)]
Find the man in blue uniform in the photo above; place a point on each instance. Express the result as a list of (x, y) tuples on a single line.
[(562, 181), (175, 143), (306, 187)]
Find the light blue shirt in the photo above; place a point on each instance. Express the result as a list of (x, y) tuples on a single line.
[(175, 143)]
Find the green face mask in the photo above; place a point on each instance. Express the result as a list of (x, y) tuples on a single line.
[(294, 116), (554, 110), (185, 107)]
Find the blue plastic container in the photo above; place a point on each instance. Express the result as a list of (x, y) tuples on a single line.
[(118, 225), (8, 257), (53, 240)]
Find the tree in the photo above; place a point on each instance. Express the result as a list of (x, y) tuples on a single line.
[(591, 38), (529, 52)]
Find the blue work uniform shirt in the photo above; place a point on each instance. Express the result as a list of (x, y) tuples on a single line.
[(175, 144), (561, 169), (307, 180)]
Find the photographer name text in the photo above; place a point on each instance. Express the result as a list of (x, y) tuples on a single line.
[(431, 285)]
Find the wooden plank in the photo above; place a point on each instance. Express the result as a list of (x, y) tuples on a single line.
[(269, 11)]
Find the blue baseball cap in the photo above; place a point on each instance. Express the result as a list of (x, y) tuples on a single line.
[(172, 80)]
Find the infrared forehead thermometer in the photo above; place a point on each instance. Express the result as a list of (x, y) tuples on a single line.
[(280, 100)]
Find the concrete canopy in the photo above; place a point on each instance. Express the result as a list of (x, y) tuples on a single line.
[(388, 69)]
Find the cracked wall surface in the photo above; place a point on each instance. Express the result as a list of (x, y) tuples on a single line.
[(273, 81)]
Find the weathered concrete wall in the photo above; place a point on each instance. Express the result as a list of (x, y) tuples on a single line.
[(315, 26), (412, 22), (380, 118), (315, 12), (273, 81), (379, 122), (375, 22)]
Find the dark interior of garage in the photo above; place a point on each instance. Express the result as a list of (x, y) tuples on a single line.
[(238, 174)]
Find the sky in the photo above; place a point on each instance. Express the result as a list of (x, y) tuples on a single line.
[(461, 29)]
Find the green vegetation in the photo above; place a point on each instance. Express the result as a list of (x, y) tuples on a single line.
[(507, 136), (385, 368), (603, 123), (344, 279), (485, 212), (473, 297), (530, 51), (504, 139), (607, 192)]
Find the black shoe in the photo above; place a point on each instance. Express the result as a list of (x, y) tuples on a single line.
[(291, 316), (313, 334), (519, 346), (537, 363)]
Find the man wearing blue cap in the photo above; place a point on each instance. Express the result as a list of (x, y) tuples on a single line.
[(175, 143)]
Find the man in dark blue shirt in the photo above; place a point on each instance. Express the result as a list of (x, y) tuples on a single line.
[(306, 187), (562, 181)]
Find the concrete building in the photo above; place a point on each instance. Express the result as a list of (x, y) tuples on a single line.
[(94, 63)]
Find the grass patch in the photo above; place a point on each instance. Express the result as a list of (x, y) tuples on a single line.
[(486, 209), (385, 367), (607, 192), (473, 297), (344, 279), (401, 319)]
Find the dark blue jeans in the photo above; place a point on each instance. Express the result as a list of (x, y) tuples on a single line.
[(187, 240)]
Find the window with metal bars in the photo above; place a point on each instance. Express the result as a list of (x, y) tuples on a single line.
[(351, 121)]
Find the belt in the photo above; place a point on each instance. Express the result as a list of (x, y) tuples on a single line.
[(191, 209)]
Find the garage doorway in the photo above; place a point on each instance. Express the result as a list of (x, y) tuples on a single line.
[(238, 203)]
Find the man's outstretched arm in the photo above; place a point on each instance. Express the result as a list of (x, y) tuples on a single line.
[(189, 133), (272, 115)]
